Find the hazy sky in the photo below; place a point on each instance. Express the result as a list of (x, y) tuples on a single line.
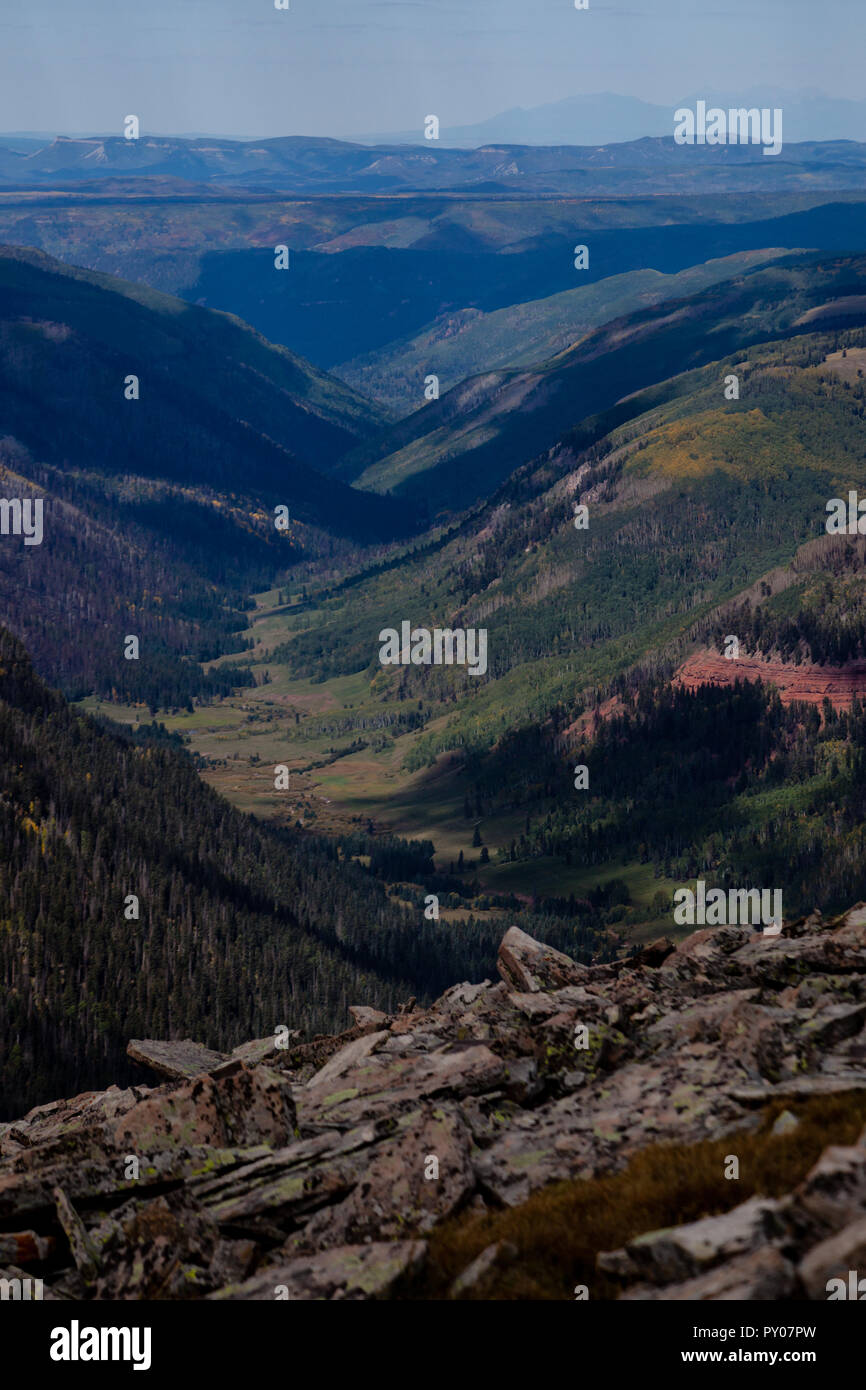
[(342, 67)]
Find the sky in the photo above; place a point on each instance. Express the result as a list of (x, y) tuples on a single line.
[(347, 67)]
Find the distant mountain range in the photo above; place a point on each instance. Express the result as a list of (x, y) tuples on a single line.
[(605, 118), (304, 165), (597, 118)]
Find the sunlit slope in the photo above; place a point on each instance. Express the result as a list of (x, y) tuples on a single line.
[(462, 343), (462, 446), (691, 498), (696, 504)]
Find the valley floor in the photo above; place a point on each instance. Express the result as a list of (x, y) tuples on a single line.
[(310, 728)]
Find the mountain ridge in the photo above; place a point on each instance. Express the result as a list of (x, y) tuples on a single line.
[(460, 447), (310, 164), (608, 117)]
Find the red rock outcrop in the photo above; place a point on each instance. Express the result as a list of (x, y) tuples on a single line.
[(810, 684)]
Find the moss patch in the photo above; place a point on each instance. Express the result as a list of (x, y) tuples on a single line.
[(560, 1230)]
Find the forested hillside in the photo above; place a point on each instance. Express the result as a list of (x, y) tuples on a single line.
[(160, 439), (706, 516), (384, 274), (721, 784), (242, 926), (462, 446), (110, 565), (693, 496), (460, 344), (214, 404), (818, 616)]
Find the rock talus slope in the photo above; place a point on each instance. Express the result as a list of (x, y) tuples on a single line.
[(318, 1170)]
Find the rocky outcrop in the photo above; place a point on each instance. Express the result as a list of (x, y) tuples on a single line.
[(528, 966), (318, 1169), (761, 1250), (177, 1060), (841, 685)]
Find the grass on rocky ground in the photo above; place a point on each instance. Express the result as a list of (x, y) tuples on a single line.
[(559, 1231)]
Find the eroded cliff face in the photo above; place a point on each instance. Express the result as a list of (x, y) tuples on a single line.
[(319, 1169), (807, 683)]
